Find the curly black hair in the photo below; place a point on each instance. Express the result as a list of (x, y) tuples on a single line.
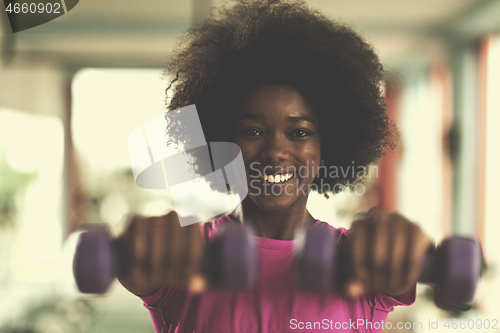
[(272, 41)]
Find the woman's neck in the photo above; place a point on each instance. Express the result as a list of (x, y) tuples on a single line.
[(281, 225)]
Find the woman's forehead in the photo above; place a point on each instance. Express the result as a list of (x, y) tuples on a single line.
[(276, 100)]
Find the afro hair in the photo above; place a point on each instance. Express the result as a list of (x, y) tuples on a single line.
[(278, 42)]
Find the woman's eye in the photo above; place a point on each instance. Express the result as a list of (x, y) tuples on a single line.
[(251, 132), (300, 133)]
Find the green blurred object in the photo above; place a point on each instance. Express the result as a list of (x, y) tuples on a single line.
[(11, 183), (55, 315)]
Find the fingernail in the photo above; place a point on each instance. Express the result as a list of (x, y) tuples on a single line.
[(360, 216), (197, 284), (355, 289), (374, 210)]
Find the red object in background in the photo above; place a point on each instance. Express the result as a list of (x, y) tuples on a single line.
[(441, 76), (388, 165)]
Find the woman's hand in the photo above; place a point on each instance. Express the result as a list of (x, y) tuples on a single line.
[(384, 251), (154, 251)]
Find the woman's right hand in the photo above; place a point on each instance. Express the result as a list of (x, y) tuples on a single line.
[(157, 251)]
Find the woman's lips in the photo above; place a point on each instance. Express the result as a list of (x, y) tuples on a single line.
[(277, 178), (272, 185)]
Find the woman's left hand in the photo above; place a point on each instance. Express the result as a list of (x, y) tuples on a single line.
[(384, 251)]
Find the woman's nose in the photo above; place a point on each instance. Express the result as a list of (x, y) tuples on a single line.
[(275, 149)]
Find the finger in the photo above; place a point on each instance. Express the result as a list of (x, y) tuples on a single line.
[(139, 260), (375, 210), (196, 250), (420, 245), (124, 254), (358, 246), (379, 250), (354, 289), (191, 251), (158, 248), (185, 263), (180, 259), (399, 248), (172, 225), (197, 284)]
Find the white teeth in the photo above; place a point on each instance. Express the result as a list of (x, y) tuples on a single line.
[(277, 178)]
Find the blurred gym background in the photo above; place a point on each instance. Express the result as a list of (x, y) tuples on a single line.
[(71, 91)]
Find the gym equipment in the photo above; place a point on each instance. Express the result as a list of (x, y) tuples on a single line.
[(230, 261), (453, 268)]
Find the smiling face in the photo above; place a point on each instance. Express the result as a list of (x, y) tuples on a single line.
[(278, 134)]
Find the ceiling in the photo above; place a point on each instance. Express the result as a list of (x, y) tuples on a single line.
[(128, 33)]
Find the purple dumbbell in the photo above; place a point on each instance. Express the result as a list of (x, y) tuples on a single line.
[(230, 261), (316, 259), (453, 268), (94, 264)]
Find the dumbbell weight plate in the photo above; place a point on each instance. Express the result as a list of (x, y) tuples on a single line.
[(315, 261), (231, 259), (458, 264), (93, 263)]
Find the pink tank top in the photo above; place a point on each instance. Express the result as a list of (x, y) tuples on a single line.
[(274, 304)]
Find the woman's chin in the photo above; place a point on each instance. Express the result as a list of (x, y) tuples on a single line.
[(272, 203)]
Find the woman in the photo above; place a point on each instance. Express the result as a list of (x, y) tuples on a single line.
[(294, 90)]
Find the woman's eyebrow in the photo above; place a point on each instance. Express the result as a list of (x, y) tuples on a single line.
[(299, 119), (292, 119)]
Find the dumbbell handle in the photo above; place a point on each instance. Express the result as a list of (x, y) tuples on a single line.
[(229, 261)]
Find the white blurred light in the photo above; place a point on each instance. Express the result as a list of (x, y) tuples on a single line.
[(420, 178), (156, 207), (107, 106), (113, 207), (492, 227), (34, 144)]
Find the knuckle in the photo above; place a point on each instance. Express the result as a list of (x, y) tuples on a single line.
[(415, 234), (135, 223), (397, 221), (397, 216), (359, 224), (172, 218)]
